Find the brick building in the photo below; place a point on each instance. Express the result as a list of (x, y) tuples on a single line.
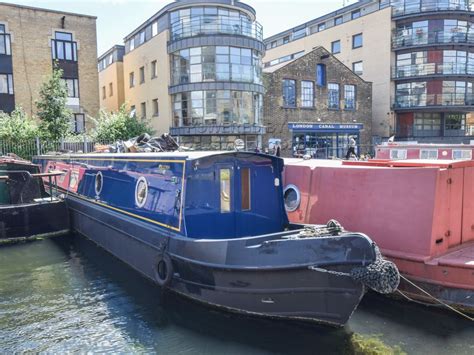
[(314, 103), (31, 40)]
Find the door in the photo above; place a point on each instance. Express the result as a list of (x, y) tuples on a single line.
[(225, 174)]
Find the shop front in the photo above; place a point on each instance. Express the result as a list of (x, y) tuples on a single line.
[(323, 140)]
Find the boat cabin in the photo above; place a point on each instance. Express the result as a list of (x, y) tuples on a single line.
[(206, 195), (403, 151)]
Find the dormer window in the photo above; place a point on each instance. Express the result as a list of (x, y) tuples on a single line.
[(63, 47)]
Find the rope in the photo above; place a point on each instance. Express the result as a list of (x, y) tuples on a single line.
[(435, 299)]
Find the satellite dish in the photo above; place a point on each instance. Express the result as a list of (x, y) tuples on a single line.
[(239, 144)]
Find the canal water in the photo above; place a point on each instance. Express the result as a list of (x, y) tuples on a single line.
[(69, 295)]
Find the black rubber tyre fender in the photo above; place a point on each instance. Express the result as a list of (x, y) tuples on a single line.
[(163, 270)]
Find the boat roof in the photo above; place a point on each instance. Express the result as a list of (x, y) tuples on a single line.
[(190, 155), (374, 163)]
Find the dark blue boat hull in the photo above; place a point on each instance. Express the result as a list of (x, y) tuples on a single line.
[(256, 276)]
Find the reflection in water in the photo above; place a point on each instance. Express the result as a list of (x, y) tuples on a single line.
[(68, 294)]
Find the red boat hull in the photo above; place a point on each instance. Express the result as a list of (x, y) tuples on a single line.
[(421, 214)]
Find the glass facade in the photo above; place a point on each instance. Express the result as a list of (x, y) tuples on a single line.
[(222, 63), (206, 20), (220, 107), (406, 7)]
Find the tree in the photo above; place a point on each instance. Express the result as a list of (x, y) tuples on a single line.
[(120, 125), (17, 127), (52, 111)]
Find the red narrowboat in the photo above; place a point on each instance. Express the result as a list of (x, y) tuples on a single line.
[(419, 212)]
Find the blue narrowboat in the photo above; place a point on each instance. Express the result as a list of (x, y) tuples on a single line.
[(212, 226)]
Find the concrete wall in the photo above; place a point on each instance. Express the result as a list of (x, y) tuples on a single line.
[(157, 88), (276, 117), (375, 53), (31, 32), (113, 74)]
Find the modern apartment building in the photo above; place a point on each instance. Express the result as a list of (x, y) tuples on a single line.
[(112, 89), (31, 41), (194, 69), (418, 54)]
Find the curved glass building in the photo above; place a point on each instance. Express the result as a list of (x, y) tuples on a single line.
[(195, 69)]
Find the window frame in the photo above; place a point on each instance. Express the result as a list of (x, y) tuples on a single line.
[(154, 69), (338, 20), (354, 69), (305, 96), (353, 108), (356, 12), (246, 189), (143, 110), (156, 109), (338, 96), (428, 151), (354, 37), (285, 85), (76, 130), (10, 85), (104, 95), (131, 78), (332, 46), (111, 89), (142, 75)]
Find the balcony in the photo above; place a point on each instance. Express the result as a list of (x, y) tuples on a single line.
[(212, 25), (422, 38), (432, 69), (418, 132), (410, 7), (418, 101)]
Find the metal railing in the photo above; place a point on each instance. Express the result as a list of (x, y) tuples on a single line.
[(427, 69), (423, 37), (409, 7), (211, 25), (450, 130), (426, 100), (26, 149)]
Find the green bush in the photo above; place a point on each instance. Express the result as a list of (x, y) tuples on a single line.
[(120, 125), (17, 126)]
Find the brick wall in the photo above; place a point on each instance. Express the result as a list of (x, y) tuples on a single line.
[(31, 32), (276, 117)]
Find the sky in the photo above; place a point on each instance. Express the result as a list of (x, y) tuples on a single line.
[(117, 18)]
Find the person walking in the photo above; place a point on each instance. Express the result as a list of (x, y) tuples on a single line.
[(351, 149), (278, 150)]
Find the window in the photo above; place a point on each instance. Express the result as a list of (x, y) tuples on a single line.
[(333, 96), (338, 21), (355, 14), (155, 108), (300, 33), (103, 93), (143, 109), (398, 154), (357, 41), (225, 192), (6, 84), (321, 27), (349, 97), (154, 29), (4, 41), (111, 59), (142, 75), (429, 154), (141, 192), (307, 94), (72, 86), (292, 198), (111, 89), (336, 47), (459, 154), (273, 44), (321, 74), (131, 44), (289, 93), (286, 39), (154, 72), (132, 79), (63, 48), (245, 188), (133, 111), (79, 122), (358, 68)]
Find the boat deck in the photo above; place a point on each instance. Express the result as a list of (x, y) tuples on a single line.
[(463, 257)]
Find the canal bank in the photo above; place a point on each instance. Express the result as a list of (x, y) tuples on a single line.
[(69, 295)]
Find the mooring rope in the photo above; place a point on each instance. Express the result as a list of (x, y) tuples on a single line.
[(434, 298)]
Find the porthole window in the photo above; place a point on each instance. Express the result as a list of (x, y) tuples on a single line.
[(141, 192), (99, 182), (292, 198)]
